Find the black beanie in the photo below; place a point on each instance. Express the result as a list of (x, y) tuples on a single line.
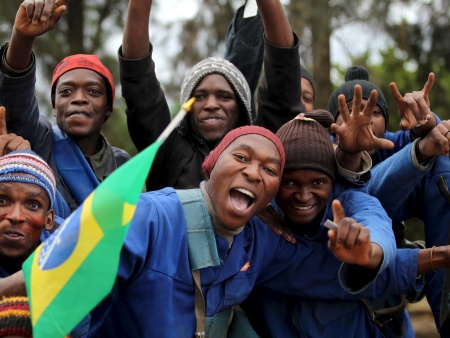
[(307, 143), (357, 75), (308, 77)]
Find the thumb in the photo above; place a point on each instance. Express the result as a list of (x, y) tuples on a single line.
[(338, 211), (383, 143), (57, 14), (335, 128)]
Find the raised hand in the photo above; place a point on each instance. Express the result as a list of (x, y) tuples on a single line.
[(351, 242), (355, 133), (10, 142), (414, 108), (36, 17), (33, 19)]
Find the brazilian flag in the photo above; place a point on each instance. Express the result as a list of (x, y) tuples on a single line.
[(72, 271)]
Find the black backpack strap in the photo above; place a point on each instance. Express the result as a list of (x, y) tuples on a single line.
[(388, 319)]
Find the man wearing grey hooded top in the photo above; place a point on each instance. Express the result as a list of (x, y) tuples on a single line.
[(222, 96)]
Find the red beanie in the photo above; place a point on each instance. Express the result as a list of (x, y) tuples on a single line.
[(211, 159), (84, 61)]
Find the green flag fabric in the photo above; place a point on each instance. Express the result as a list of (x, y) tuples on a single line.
[(72, 271)]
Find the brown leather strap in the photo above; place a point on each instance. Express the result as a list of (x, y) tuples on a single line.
[(200, 311)]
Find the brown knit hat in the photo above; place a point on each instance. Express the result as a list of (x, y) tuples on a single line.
[(307, 143), (15, 317)]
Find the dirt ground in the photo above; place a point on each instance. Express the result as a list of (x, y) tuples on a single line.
[(422, 320)]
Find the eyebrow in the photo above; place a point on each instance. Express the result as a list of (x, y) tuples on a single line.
[(251, 150), (73, 83), (220, 91), (32, 192)]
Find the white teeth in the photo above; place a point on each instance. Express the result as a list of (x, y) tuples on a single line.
[(14, 235), (303, 208), (246, 192)]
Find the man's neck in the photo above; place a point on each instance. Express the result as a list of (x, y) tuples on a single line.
[(89, 146)]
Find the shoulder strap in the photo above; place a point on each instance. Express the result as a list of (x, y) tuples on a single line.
[(73, 166), (201, 246), (201, 236), (200, 308)]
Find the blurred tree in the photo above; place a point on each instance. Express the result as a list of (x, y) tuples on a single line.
[(423, 44), (316, 22), (414, 44), (416, 48)]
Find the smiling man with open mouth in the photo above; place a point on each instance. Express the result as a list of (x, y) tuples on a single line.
[(27, 195)]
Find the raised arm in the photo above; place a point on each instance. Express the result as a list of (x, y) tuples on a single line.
[(136, 37), (147, 110), (277, 29), (279, 94), (31, 21), (18, 74)]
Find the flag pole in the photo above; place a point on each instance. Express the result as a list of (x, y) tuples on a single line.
[(176, 120)]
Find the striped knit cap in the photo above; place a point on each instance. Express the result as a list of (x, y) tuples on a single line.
[(307, 143), (216, 65), (15, 317), (27, 162)]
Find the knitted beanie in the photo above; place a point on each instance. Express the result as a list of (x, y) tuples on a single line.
[(307, 143), (358, 75), (27, 162), (15, 317), (211, 159), (216, 65), (84, 61), (308, 76)]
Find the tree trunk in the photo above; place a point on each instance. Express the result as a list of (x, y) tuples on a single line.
[(319, 19), (75, 32)]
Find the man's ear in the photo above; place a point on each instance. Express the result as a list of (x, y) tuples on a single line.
[(49, 220), (109, 112)]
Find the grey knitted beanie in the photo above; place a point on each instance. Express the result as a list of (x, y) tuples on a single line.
[(357, 75), (216, 65)]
